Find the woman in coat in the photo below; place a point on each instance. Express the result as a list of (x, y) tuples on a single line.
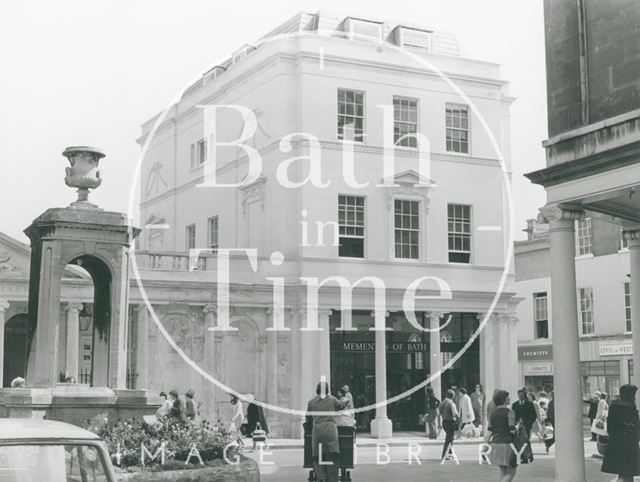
[(500, 435), (623, 455), (324, 435)]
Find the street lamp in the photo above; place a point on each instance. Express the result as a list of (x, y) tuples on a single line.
[(85, 317)]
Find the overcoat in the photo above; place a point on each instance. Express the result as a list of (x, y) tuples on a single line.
[(623, 453), (325, 430)]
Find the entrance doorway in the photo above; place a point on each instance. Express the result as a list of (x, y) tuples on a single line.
[(15, 348)]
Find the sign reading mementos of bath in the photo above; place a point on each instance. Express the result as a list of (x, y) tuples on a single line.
[(535, 352), (364, 347)]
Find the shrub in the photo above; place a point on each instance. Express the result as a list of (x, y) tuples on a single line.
[(125, 439)]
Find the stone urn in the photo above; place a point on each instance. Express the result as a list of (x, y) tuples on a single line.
[(83, 172)]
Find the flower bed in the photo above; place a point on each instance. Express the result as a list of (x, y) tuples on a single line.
[(173, 449)]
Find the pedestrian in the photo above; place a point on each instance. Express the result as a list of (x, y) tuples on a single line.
[(599, 425), (190, 405), (324, 434), (347, 393), (18, 382), (593, 411), (237, 419), (477, 401), (177, 410), (433, 416), (346, 418), (450, 420), (550, 423), (500, 435), (467, 416), (537, 428), (165, 406), (542, 397), (256, 421), (526, 416), (623, 455)]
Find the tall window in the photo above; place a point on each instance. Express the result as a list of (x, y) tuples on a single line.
[(351, 226), (213, 232), (583, 236), (627, 305), (191, 236), (350, 115), (541, 315), (407, 228), (405, 121), (586, 311), (457, 123), (459, 226), (201, 151)]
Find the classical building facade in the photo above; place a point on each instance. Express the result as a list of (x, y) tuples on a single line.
[(603, 300), (344, 95), (593, 170)]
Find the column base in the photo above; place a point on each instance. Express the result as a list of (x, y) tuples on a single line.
[(381, 428)]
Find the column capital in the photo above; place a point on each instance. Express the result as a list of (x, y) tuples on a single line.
[(210, 308), (372, 314), (435, 315), (4, 305), (325, 313), (73, 306), (555, 213)]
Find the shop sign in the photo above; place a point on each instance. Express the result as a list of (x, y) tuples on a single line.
[(538, 369), (370, 347), (616, 349), (535, 352)]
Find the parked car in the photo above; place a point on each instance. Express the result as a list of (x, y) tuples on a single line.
[(43, 450)]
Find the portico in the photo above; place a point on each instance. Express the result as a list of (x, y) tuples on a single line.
[(591, 171)]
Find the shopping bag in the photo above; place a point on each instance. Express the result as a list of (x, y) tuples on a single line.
[(258, 434), (599, 426)]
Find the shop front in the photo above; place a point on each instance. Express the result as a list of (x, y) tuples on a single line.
[(408, 354), (608, 369), (536, 363)]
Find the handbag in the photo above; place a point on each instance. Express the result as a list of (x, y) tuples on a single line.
[(244, 429), (600, 424), (258, 434)]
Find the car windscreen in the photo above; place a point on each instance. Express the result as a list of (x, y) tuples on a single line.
[(51, 463)]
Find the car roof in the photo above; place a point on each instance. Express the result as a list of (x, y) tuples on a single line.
[(37, 429)]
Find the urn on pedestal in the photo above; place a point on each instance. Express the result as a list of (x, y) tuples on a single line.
[(83, 172)]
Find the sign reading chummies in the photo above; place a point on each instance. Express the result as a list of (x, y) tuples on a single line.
[(535, 352)]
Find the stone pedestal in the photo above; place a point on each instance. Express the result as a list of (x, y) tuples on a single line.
[(75, 403)]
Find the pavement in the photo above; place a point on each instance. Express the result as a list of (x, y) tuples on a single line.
[(409, 458)]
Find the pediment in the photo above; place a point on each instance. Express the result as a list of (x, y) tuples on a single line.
[(412, 178), (15, 257)]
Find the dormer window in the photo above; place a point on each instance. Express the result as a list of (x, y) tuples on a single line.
[(358, 29), (414, 38), (213, 73), (242, 52)]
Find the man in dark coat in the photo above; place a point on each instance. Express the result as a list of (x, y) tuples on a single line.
[(551, 420), (593, 411), (526, 413), (623, 454)]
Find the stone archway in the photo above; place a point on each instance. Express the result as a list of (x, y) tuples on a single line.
[(16, 330)]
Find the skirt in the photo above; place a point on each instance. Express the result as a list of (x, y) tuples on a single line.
[(500, 454)]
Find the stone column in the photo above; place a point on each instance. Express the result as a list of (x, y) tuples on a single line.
[(324, 344), (633, 239), (142, 352), (4, 305), (272, 361), (435, 362), (570, 467), (209, 408), (73, 340), (381, 426)]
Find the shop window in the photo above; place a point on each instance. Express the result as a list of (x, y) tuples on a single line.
[(603, 376)]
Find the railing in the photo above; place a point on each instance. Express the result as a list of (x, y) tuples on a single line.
[(85, 376), (175, 261)]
